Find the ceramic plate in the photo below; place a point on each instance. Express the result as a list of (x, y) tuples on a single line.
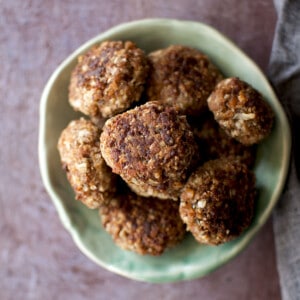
[(189, 259)]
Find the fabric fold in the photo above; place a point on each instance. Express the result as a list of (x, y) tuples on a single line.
[(284, 74)]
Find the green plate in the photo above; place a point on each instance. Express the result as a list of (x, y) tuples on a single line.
[(188, 260)]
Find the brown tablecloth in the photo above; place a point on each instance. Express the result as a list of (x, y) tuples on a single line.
[(38, 259)]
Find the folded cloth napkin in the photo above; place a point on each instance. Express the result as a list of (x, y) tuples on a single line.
[(284, 73)]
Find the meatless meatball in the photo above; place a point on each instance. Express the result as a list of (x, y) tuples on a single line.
[(182, 77), (215, 142), (241, 111), (218, 200), (108, 79), (87, 172), (151, 147), (142, 225)]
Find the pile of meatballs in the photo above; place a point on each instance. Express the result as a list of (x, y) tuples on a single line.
[(167, 146)]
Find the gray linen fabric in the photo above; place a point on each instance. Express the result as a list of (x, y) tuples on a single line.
[(284, 73)]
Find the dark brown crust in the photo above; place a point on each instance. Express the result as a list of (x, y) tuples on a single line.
[(108, 79), (241, 111), (217, 203), (151, 147), (91, 179), (143, 225), (215, 143), (182, 77)]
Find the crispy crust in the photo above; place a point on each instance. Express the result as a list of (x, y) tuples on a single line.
[(217, 203), (214, 142), (182, 77), (241, 111), (143, 225), (151, 147), (108, 79), (90, 177)]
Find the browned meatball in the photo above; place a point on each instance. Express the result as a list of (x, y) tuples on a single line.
[(217, 202), (215, 143), (151, 147), (142, 225), (108, 79), (241, 111), (182, 77), (87, 172)]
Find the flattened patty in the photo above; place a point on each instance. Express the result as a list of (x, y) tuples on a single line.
[(182, 77), (79, 147), (108, 79), (151, 147), (143, 225), (241, 111), (217, 203)]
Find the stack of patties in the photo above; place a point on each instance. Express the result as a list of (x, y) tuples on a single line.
[(168, 147)]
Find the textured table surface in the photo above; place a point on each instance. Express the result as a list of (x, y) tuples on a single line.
[(38, 259)]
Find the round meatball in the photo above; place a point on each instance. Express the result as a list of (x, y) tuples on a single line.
[(182, 77), (217, 203), (87, 172), (143, 225), (214, 142), (241, 111), (108, 79), (151, 147)]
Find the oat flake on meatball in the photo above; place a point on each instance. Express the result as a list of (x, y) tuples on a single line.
[(217, 203), (182, 77), (241, 111), (108, 79), (151, 147), (143, 225), (91, 179)]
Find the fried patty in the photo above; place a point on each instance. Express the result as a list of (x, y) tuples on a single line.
[(143, 225), (241, 111), (151, 147), (79, 147), (108, 79), (217, 203), (182, 77)]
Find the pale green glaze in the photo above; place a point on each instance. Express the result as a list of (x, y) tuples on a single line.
[(189, 259)]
